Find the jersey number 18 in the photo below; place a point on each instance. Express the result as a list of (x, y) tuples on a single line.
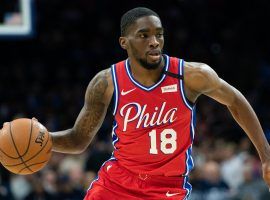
[(167, 141)]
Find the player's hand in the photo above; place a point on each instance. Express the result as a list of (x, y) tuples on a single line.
[(4, 124), (35, 119), (266, 172)]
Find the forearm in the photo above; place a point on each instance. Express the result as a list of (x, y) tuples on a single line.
[(247, 119), (77, 139), (66, 142)]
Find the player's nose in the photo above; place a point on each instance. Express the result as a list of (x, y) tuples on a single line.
[(153, 42)]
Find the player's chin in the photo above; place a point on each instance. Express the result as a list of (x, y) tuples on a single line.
[(153, 65)]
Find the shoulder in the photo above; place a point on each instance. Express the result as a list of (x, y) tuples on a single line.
[(195, 68), (104, 75), (101, 86), (200, 77)]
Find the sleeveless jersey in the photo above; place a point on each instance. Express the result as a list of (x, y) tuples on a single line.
[(153, 126)]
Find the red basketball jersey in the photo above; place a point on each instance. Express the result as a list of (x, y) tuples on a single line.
[(154, 126)]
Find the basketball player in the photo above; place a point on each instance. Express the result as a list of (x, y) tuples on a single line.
[(154, 97)]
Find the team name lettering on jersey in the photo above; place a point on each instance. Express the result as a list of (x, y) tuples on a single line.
[(145, 119)]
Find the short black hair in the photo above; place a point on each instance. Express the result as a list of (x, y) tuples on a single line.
[(132, 15)]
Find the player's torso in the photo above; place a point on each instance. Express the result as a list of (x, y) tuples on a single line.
[(153, 128)]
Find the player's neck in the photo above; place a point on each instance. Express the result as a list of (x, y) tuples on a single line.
[(146, 77)]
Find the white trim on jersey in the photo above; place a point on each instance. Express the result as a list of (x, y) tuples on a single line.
[(116, 92), (114, 135), (167, 61), (189, 160), (181, 71)]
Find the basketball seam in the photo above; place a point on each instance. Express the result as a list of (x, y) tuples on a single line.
[(32, 165), (8, 155), (32, 156), (17, 148), (29, 139)]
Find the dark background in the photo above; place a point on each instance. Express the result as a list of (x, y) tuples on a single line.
[(46, 76)]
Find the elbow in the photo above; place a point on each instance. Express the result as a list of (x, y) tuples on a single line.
[(78, 151), (79, 147), (70, 149), (75, 144), (236, 99), (238, 103), (75, 149), (82, 148), (69, 141)]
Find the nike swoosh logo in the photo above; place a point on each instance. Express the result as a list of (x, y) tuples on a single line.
[(168, 194), (123, 93)]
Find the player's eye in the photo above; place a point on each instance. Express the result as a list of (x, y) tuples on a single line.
[(159, 35), (142, 35)]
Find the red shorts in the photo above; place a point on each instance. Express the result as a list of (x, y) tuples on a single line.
[(114, 182)]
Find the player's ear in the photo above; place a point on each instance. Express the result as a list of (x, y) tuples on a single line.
[(123, 42)]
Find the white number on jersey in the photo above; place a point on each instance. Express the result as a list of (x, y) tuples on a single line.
[(168, 141)]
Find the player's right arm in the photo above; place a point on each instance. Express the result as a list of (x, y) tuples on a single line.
[(97, 99)]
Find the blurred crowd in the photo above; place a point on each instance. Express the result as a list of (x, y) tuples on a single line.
[(45, 76)]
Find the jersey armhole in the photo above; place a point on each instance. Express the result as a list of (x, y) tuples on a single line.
[(115, 91), (187, 102)]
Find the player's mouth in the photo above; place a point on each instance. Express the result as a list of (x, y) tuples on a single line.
[(154, 55)]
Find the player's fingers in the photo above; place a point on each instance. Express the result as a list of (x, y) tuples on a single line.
[(35, 119), (5, 124)]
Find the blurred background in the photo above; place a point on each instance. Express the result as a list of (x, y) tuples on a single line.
[(45, 75)]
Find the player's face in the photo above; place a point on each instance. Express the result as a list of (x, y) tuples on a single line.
[(145, 41)]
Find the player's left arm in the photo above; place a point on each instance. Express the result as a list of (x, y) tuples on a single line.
[(205, 81)]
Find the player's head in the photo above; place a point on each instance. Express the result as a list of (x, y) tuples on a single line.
[(142, 36)]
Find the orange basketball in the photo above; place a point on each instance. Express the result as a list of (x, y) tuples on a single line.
[(25, 146)]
